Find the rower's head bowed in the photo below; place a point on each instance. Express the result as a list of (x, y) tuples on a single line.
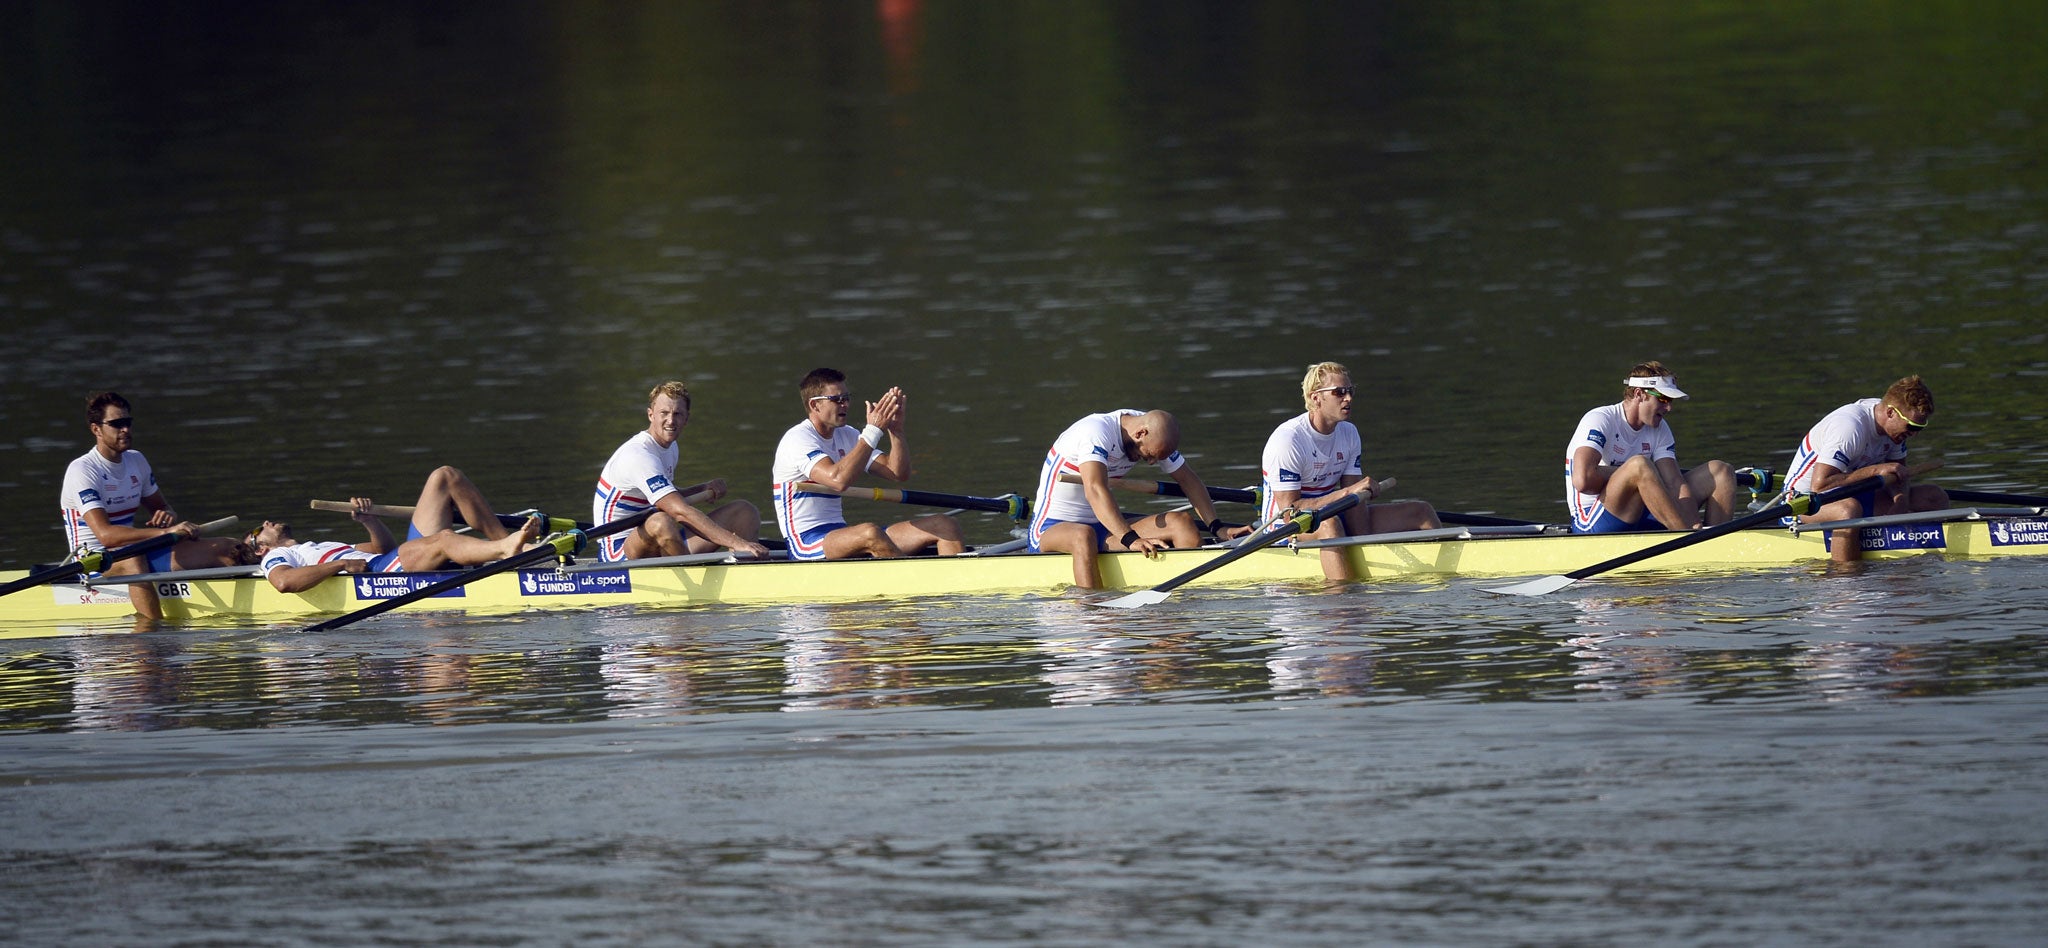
[(1648, 393), (109, 416), (1326, 392), (1151, 437), (668, 411), (1905, 409)]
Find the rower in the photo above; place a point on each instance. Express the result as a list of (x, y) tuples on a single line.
[(1621, 469), (1863, 438), (640, 474), (1314, 459), (293, 566), (447, 495), (824, 449), (105, 487), (1082, 519)]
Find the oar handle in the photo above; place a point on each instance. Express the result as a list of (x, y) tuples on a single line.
[(381, 510), (1017, 508)]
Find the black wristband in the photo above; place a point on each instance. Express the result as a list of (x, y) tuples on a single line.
[(1213, 526), (1129, 539)]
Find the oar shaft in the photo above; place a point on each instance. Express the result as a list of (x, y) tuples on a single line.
[(1273, 534), (63, 571), (1013, 505), (1992, 497), (401, 510)]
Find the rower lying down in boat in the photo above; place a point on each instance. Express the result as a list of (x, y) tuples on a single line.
[(292, 566)]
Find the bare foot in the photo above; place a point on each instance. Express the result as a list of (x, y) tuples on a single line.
[(526, 539)]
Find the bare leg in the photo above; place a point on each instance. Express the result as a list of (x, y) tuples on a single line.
[(913, 536), (658, 535), (1077, 539), (449, 493), (1714, 483), (1175, 527), (739, 516), (1336, 559), (437, 550), (1635, 486), (140, 595), (860, 539)]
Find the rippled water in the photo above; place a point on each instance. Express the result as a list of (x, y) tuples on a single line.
[(326, 249)]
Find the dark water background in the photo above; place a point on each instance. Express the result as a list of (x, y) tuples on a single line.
[(327, 247)]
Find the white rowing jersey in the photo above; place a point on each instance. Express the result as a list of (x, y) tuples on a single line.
[(94, 483), (1846, 440), (639, 474), (1300, 458), (313, 553), (802, 447), (1094, 438), (1606, 430)]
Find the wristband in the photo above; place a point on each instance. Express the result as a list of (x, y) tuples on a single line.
[(1129, 539), (872, 435), (1213, 525)]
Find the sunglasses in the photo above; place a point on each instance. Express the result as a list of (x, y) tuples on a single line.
[(1910, 423), (1341, 391), (118, 424), (1660, 396), (834, 399)]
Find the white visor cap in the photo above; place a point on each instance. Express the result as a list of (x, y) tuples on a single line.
[(1662, 383)]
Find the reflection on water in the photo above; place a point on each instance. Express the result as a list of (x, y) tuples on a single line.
[(1886, 630)]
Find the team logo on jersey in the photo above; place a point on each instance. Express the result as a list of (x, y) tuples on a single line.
[(657, 484), (2026, 532), (1842, 462), (1289, 477), (88, 496), (1598, 437), (1100, 452)]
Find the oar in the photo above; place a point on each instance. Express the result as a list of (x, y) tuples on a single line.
[(1275, 531), (1015, 507), (94, 561), (558, 545), (1987, 497), (1251, 496), (1797, 504), (511, 521)]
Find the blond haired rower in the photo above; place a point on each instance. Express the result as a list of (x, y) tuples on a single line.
[(824, 449), (1314, 459), (641, 475), (1621, 468), (1864, 438)]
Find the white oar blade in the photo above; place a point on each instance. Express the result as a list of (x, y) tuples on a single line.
[(1136, 600), (1535, 587)]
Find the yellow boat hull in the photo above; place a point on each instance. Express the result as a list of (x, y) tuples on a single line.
[(62, 609)]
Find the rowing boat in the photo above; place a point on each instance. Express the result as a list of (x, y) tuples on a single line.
[(713, 578)]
